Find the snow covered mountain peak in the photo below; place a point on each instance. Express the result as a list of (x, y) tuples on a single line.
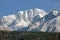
[(24, 18), (33, 12), (21, 19), (55, 12), (32, 20)]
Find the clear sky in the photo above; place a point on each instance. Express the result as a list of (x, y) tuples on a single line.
[(13, 6)]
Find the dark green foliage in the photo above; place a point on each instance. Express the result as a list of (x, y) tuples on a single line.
[(15, 35)]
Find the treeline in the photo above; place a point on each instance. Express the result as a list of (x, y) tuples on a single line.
[(16, 35)]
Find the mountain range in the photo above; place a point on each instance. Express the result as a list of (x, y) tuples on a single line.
[(34, 20)]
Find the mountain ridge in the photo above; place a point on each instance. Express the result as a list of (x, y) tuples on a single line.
[(31, 20)]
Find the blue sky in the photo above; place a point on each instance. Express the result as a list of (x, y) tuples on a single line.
[(8, 7)]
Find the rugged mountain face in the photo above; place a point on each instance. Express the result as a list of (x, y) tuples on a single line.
[(32, 20)]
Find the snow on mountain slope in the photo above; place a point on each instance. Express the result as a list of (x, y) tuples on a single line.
[(21, 19), (32, 20), (49, 23), (7, 20), (52, 25)]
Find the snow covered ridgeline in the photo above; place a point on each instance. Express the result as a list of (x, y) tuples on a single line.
[(32, 20)]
